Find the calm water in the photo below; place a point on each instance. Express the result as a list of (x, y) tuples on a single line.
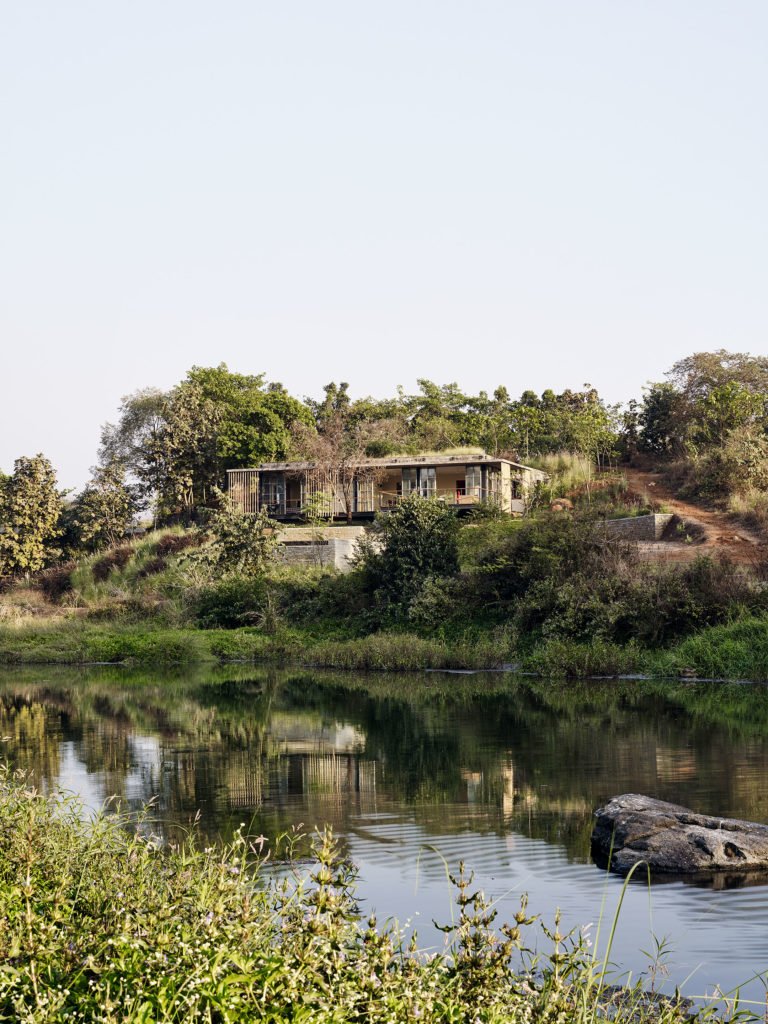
[(505, 779)]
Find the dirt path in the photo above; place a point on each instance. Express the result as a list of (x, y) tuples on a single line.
[(721, 534)]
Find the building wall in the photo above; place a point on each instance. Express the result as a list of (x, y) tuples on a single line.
[(506, 489)]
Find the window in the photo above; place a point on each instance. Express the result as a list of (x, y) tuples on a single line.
[(273, 493), (428, 482), (410, 481), (474, 479)]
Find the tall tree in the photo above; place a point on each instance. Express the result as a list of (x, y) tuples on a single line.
[(179, 444), (339, 445), (30, 506), (105, 508)]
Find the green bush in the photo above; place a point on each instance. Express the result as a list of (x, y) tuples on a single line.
[(581, 660), (415, 541), (233, 602)]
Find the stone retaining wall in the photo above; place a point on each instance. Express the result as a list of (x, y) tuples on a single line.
[(651, 527), (319, 546)]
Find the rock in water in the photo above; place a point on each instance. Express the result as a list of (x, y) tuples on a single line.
[(674, 840)]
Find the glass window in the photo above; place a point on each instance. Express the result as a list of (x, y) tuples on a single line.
[(428, 481), (410, 481), (474, 479)]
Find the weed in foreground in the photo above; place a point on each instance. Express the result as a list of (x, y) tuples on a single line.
[(99, 923)]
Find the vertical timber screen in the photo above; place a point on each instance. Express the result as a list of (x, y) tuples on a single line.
[(243, 488)]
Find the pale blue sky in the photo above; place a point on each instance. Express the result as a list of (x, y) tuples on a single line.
[(537, 194)]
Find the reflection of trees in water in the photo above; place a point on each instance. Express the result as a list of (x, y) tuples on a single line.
[(275, 748), (30, 735)]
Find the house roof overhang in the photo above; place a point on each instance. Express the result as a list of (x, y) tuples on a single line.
[(401, 462)]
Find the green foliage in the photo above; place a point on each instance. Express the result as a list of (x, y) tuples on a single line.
[(102, 925), (560, 578), (256, 418), (709, 398), (411, 544), (732, 650), (580, 660), (231, 603), (104, 509), (187, 450), (178, 445), (75, 642), (30, 507), (241, 543), (662, 428)]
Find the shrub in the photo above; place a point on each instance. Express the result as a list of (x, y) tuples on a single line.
[(152, 567), (174, 543), (231, 603), (101, 924), (581, 660), (117, 558), (56, 582), (438, 601), (336, 600), (416, 540)]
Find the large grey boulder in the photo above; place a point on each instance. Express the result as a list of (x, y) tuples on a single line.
[(674, 840)]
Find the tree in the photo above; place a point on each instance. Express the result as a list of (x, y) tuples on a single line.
[(179, 444), (134, 441), (697, 375), (415, 542), (241, 544), (723, 409), (105, 508), (661, 419), (30, 506), (256, 417), (186, 453), (339, 446)]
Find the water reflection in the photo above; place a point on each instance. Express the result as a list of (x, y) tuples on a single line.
[(505, 778)]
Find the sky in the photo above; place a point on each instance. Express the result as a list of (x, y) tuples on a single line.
[(536, 194)]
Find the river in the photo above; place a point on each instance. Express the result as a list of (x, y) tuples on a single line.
[(416, 773)]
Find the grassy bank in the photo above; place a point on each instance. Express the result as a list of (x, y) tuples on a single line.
[(82, 643), (99, 924), (737, 650)]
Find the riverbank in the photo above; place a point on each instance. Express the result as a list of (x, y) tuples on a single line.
[(737, 650), (102, 924)]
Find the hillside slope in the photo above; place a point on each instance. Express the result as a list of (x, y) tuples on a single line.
[(720, 533)]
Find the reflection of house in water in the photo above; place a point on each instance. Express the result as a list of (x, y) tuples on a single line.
[(321, 762), (675, 764)]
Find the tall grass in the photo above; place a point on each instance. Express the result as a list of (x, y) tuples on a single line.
[(736, 650), (751, 507), (403, 652), (100, 924), (568, 473), (567, 658)]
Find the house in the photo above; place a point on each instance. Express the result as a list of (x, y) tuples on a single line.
[(286, 489)]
